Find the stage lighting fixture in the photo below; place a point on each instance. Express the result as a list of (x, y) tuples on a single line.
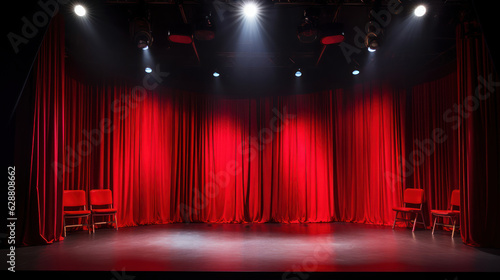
[(80, 10), (371, 41), (332, 33), (205, 29), (216, 74), (148, 70), (250, 10), (298, 73), (307, 31), (181, 34), (355, 72), (145, 48), (420, 10), (141, 33)]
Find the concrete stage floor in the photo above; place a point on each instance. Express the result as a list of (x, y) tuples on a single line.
[(290, 251)]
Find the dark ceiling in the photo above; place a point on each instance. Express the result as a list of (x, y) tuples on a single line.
[(261, 58)]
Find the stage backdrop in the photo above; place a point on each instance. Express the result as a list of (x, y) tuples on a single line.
[(173, 156)]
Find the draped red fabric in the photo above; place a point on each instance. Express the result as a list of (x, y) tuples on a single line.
[(176, 157), (479, 129), (434, 157), (40, 208)]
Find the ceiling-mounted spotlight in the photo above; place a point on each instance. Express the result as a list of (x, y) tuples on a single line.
[(181, 34), (148, 70), (355, 72), (307, 31), (371, 41), (216, 74), (141, 33), (298, 73), (205, 28), (420, 10), (80, 10), (332, 33), (250, 10)]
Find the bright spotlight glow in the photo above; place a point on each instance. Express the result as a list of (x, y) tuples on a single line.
[(80, 10), (250, 10), (145, 48), (355, 72), (148, 70), (216, 74), (371, 50), (298, 73), (420, 11)]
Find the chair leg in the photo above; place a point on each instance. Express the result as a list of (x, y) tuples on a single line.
[(116, 222), (453, 232), (434, 226), (395, 218), (415, 222), (64, 227)]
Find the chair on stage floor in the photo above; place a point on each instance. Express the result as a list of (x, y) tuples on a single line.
[(101, 204), (413, 202), (453, 214), (75, 199)]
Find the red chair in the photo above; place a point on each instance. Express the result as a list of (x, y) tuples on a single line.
[(412, 199), (72, 200), (103, 199), (451, 214)]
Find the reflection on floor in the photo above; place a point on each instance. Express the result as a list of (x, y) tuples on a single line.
[(292, 249)]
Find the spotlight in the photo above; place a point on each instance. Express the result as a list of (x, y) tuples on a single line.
[(355, 72), (205, 29), (148, 70), (298, 73), (250, 10), (307, 31), (420, 10), (141, 33), (216, 74), (80, 10), (145, 48), (371, 41)]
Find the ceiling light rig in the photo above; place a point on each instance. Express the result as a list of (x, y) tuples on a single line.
[(307, 31), (205, 28), (140, 31)]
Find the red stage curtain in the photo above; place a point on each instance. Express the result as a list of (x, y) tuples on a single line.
[(433, 156), (479, 130), (176, 157), (39, 197)]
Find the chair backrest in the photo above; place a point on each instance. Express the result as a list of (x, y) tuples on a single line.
[(455, 198), (101, 197), (74, 198), (413, 196)]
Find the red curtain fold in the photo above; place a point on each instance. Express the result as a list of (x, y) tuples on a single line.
[(479, 131), (175, 157), (40, 214), (434, 154)]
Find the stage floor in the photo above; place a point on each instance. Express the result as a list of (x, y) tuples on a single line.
[(288, 248)]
